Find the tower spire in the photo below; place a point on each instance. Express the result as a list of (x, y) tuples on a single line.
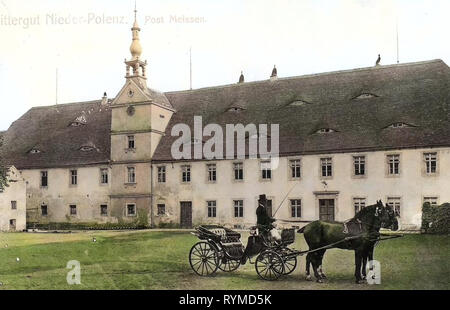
[(135, 63)]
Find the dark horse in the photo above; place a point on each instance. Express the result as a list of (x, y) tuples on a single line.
[(362, 231)]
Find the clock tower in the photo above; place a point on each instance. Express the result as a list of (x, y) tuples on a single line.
[(138, 120)]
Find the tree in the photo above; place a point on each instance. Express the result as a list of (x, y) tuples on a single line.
[(3, 168)]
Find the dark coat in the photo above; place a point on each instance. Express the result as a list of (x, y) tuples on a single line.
[(261, 216)]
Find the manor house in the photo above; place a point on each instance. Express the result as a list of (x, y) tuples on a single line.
[(346, 139)]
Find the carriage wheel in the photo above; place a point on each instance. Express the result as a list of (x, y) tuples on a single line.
[(229, 265), (289, 264), (204, 259), (269, 265)]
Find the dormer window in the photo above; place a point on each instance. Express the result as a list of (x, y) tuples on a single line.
[(400, 125), (79, 121), (34, 151), (298, 103), (325, 130), (86, 148), (235, 109), (76, 124), (365, 96)]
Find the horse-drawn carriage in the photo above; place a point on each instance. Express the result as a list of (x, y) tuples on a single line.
[(221, 248)]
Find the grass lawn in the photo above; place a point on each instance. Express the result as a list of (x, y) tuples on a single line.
[(159, 260)]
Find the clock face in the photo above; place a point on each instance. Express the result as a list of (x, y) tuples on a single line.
[(130, 93), (130, 110)]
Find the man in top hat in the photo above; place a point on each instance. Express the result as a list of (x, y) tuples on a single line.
[(263, 220), (264, 224)]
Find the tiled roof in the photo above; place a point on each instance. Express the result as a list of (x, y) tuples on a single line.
[(414, 93), (417, 94), (44, 137)]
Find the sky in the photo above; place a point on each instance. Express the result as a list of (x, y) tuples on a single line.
[(87, 41)]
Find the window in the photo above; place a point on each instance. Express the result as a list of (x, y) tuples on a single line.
[(131, 175), (430, 163), (73, 209), (359, 163), (162, 174), (325, 130), (359, 204), (73, 177), (365, 96), (131, 142), (298, 103), (394, 202), (211, 208), (393, 164), (235, 109), (186, 174), (131, 209), (296, 208), (266, 170), (161, 209), (238, 208), (44, 178), (326, 167), (431, 200), (104, 176), (238, 171), (44, 210), (34, 151), (212, 173), (103, 210), (87, 148), (295, 168), (13, 205)]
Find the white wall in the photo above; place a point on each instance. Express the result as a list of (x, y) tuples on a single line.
[(16, 191), (411, 186), (87, 195)]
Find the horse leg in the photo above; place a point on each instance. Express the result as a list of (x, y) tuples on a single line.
[(308, 264), (321, 254), (364, 264), (315, 263), (358, 260)]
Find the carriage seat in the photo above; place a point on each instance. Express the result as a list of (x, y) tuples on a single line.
[(219, 231)]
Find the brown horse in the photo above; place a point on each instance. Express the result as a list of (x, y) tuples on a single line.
[(363, 230)]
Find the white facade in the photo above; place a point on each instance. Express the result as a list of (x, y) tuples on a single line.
[(52, 203), (408, 188), (13, 203)]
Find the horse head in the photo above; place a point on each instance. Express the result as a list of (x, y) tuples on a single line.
[(389, 218)]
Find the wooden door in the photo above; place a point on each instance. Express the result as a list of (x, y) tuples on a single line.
[(326, 209), (12, 225), (186, 214)]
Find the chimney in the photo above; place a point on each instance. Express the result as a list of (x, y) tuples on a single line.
[(104, 99), (274, 75), (241, 78)]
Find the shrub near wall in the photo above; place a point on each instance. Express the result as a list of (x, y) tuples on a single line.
[(436, 219)]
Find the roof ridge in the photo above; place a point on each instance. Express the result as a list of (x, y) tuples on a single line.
[(309, 75), (71, 103)]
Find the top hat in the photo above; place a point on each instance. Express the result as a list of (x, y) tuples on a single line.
[(262, 197)]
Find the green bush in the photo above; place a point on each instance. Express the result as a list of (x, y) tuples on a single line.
[(85, 226), (436, 219), (168, 225)]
